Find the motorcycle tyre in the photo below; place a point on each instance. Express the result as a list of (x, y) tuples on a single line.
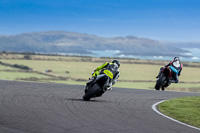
[(91, 92), (160, 82)]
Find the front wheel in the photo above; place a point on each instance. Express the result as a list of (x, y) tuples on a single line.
[(91, 92), (160, 82)]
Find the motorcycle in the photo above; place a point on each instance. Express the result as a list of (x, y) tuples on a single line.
[(99, 85), (164, 79)]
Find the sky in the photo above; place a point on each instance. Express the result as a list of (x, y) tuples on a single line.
[(163, 20)]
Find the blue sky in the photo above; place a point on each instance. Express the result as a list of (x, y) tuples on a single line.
[(164, 20)]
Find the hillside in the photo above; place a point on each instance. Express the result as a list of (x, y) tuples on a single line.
[(185, 44), (71, 42)]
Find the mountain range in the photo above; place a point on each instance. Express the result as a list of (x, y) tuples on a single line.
[(79, 43)]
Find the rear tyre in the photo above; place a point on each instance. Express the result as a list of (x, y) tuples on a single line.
[(91, 92), (160, 82)]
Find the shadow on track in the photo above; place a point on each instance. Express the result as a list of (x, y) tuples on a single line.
[(92, 100)]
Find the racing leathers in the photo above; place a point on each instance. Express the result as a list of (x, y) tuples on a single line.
[(176, 68), (110, 69)]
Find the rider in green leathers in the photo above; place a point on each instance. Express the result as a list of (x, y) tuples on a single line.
[(110, 69)]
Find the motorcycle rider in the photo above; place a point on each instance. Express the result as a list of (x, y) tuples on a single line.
[(110, 69), (176, 67)]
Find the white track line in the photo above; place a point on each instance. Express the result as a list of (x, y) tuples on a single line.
[(156, 110)]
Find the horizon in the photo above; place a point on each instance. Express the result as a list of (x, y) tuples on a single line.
[(165, 42), (171, 20)]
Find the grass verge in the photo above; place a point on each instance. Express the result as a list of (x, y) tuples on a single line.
[(185, 109), (138, 74)]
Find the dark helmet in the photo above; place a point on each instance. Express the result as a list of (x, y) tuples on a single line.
[(176, 59), (117, 62)]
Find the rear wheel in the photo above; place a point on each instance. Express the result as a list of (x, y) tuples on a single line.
[(160, 82), (91, 92)]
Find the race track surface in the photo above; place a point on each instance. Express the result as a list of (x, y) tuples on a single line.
[(58, 108)]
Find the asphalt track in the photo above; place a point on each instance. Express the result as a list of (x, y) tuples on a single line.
[(58, 108)]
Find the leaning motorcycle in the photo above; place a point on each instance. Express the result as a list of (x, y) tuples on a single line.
[(98, 86), (164, 79)]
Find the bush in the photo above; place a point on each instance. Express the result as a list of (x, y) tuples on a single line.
[(21, 67)]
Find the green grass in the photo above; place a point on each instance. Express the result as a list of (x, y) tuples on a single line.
[(185, 109), (84, 69), (7, 68), (75, 67), (17, 75)]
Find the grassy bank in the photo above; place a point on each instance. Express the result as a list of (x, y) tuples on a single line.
[(76, 70), (186, 109)]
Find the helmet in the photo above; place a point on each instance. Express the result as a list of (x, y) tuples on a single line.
[(117, 62), (176, 59)]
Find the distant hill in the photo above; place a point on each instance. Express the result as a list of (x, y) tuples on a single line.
[(184, 44), (71, 42)]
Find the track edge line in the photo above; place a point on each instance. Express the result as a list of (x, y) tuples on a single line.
[(154, 107)]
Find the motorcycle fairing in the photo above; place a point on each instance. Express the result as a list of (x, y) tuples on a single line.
[(173, 69), (103, 80), (167, 72)]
